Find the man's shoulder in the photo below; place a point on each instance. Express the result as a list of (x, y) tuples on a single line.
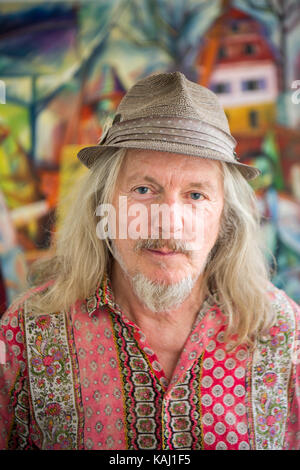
[(17, 307), (285, 308)]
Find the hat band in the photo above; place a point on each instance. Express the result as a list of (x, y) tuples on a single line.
[(164, 135), (176, 130)]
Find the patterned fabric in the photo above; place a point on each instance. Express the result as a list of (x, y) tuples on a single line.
[(88, 379)]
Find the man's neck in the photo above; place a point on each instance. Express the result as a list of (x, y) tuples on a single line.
[(136, 311), (166, 332)]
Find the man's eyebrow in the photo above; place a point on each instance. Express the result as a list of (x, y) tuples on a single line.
[(144, 178), (198, 184), (203, 185)]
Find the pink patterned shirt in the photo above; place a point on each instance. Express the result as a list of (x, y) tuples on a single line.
[(87, 379)]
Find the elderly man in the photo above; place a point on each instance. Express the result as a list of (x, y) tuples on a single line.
[(144, 332)]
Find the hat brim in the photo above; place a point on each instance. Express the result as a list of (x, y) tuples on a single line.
[(89, 155)]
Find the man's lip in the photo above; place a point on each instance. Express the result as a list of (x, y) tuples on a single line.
[(163, 252)]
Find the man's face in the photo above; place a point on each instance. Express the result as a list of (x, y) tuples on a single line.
[(149, 177)]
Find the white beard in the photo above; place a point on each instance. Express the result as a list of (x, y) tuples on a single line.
[(157, 296)]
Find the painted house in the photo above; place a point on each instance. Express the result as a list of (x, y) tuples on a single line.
[(238, 63)]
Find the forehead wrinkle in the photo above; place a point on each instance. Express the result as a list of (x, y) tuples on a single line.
[(209, 181), (137, 176)]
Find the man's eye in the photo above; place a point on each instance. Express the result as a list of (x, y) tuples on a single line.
[(197, 196), (142, 189)]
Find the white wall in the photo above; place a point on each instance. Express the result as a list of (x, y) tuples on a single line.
[(236, 73)]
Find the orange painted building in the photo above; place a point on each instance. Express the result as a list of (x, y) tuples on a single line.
[(238, 63)]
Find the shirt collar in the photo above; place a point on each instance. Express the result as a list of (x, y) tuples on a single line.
[(103, 296)]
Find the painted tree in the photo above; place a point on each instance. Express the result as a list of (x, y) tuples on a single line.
[(174, 28), (286, 14), (25, 49)]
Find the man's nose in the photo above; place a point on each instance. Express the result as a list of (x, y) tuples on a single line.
[(167, 218)]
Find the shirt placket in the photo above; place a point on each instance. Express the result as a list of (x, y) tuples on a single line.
[(141, 340), (181, 411), (180, 405)]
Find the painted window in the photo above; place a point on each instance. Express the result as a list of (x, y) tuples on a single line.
[(249, 49), (222, 52), (253, 118), (254, 84), (235, 26), (221, 87)]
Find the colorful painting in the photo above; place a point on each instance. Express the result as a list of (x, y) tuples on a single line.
[(65, 66), (12, 259), (70, 171)]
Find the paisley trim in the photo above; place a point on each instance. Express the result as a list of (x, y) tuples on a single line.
[(248, 402), (271, 370), (77, 385), (52, 386), (19, 431)]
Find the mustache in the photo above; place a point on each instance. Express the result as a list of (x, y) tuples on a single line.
[(179, 246)]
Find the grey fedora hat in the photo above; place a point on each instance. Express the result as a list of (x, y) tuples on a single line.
[(167, 112)]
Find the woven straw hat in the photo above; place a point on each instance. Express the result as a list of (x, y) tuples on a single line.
[(167, 112)]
